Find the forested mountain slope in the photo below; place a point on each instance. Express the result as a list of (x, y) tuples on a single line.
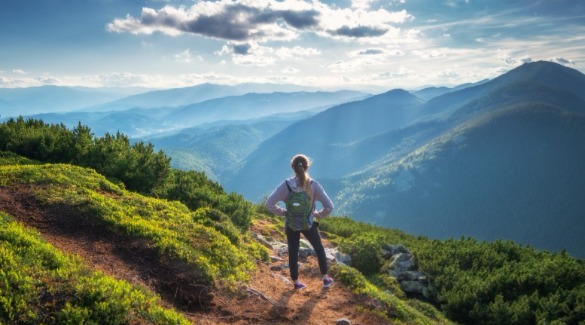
[(514, 174)]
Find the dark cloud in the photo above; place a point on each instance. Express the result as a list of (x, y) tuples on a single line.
[(242, 49), (301, 19), (371, 52), (562, 60), (219, 26), (360, 31), (229, 24)]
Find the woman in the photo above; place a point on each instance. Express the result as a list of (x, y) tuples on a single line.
[(302, 182)]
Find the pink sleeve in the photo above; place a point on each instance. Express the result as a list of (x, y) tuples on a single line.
[(322, 197)]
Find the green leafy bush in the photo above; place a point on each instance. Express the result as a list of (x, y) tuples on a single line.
[(137, 165), (365, 252)]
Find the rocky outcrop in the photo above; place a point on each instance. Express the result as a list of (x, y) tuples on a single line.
[(403, 267)]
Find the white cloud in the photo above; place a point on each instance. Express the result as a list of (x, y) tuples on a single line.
[(186, 57), (21, 82), (431, 54), (361, 4), (18, 71), (296, 52), (227, 20), (290, 70), (253, 54)]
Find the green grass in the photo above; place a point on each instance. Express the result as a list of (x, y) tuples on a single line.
[(41, 285), (175, 232), (9, 158)]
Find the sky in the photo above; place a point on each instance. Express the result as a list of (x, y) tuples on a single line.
[(369, 45)]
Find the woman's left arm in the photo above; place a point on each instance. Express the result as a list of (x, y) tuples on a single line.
[(279, 194)]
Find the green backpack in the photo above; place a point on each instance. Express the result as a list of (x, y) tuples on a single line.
[(298, 209)]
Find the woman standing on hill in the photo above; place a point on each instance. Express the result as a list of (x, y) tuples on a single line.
[(297, 187)]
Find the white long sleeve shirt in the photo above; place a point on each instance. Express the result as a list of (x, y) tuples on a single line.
[(318, 195)]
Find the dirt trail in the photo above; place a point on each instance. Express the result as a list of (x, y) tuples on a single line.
[(268, 299)]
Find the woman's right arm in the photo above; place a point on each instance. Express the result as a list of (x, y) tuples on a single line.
[(322, 197), (279, 194)]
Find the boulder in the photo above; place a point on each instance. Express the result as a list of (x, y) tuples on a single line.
[(333, 254), (404, 267)]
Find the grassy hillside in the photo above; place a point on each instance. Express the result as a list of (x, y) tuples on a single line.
[(217, 252), (41, 285), (196, 250)]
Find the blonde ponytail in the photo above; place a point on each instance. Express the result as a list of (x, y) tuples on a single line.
[(300, 164)]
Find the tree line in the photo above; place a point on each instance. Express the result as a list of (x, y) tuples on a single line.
[(135, 166)]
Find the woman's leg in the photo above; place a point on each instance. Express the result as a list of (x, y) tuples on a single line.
[(292, 238), (314, 238)]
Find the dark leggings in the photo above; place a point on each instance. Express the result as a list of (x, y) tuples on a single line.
[(293, 239)]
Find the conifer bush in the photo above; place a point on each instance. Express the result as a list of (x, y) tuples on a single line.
[(496, 282)]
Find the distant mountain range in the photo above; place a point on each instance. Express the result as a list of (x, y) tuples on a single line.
[(190, 95), (256, 105), (498, 159), (34, 100), (145, 121)]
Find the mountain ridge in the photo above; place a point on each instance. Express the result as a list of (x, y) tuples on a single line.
[(27, 101), (190, 95), (449, 188)]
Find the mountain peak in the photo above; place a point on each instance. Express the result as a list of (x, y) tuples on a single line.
[(398, 92), (395, 96), (546, 73)]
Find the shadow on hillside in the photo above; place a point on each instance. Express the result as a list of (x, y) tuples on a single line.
[(280, 310)]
